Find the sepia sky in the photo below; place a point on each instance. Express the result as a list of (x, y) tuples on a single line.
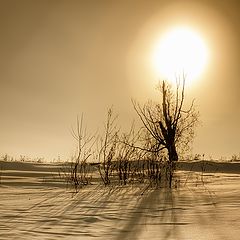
[(62, 58)]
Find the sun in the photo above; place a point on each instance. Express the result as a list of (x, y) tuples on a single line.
[(180, 50)]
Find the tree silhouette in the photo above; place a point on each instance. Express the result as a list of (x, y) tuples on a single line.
[(167, 124)]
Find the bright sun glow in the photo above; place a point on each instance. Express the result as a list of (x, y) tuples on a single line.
[(181, 50)]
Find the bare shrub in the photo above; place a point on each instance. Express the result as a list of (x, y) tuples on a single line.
[(127, 155), (107, 147), (77, 173)]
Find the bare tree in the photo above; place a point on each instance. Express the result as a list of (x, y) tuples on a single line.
[(108, 145), (167, 124)]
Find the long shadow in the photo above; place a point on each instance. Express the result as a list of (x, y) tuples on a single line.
[(156, 207), (169, 213)]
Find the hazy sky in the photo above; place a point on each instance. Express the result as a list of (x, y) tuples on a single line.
[(62, 58)]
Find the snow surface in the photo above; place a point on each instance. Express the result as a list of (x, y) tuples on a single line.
[(35, 204)]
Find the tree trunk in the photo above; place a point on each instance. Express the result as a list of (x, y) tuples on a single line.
[(173, 158), (172, 153)]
